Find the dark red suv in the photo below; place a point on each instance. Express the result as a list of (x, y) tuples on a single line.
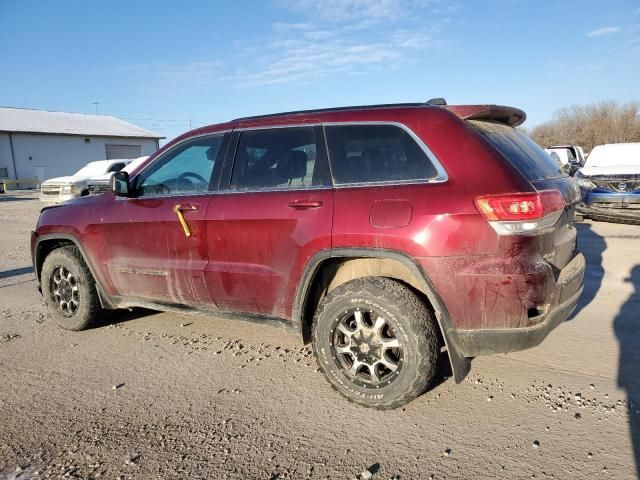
[(381, 234)]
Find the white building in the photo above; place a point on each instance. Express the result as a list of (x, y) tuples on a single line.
[(40, 144)]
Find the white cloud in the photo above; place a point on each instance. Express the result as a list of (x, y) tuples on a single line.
[(344, 37), (288, 27), (190, 73), (308, 60), (598, 32), (344, 10), (353, 37)]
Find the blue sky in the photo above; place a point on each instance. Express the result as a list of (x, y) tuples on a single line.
[(157, 64)]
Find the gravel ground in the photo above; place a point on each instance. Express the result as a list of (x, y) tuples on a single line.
[(163, 395)]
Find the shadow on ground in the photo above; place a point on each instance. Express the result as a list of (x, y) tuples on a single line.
[(592, 246), (16, 272), (12, 198), (626, 325), (627, 329), (111, 317)]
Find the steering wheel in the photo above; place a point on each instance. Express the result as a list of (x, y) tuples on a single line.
[(200, 179)]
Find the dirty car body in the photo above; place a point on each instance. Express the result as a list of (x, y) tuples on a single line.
[(610, 183), (285, 216)]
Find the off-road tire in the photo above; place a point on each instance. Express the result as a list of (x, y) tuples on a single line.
[(413, 326), (88, 309)]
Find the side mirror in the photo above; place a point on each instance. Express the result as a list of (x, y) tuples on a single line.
[(119, 184)]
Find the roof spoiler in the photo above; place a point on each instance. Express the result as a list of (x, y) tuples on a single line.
[(497, 113)]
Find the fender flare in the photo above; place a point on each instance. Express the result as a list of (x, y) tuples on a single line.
[(105, 302), (460, 365)]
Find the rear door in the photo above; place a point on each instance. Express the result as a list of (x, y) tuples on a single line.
[(155, 241), (274, 215)]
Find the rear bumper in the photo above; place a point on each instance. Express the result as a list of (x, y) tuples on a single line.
[(568, 289)]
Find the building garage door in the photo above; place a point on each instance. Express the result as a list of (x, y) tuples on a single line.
[(123, 151)]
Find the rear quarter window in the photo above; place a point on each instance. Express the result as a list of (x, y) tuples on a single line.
[(376, 153), (522, 152)]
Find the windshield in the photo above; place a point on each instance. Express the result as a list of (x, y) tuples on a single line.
[(134, 164), (614, 154), (523, 153), (93, 168)]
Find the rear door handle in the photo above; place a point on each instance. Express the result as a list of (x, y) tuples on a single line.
[(305, 204)]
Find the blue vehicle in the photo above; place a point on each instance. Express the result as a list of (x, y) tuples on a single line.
[(610, 183)]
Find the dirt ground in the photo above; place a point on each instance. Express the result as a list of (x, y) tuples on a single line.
[(162, 395)]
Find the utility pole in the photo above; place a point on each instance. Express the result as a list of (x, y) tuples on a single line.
[(190, 122), (96, 105)]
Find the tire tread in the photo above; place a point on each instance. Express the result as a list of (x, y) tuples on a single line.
[(420, 321), (91, 307)]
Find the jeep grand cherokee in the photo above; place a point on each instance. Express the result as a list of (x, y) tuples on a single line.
[(382, 234)]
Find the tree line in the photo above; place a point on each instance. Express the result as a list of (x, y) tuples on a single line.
[(590, 125)]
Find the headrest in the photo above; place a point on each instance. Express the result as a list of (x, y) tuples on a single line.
[(295, 165), (298, 164)]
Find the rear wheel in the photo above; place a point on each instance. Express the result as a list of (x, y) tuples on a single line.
[(69, 289), (376, 342)]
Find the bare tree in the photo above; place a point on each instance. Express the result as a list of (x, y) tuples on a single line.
[(590, 125)]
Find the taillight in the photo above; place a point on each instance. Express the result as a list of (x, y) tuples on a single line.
[(521, 213)]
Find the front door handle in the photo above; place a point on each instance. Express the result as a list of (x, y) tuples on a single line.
[(178, 209), (305, 204)]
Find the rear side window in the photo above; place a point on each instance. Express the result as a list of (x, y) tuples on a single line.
[(376, 153), (279, 158), (523, 153)]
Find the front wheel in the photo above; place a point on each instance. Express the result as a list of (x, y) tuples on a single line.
[(376, 342), (69, 289)]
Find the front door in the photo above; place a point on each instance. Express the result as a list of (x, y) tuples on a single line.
[(155, 241), (274, 215)]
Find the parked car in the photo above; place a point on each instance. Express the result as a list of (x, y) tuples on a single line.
[(380, 234), (100, 183), (570, 155), (610, 183), (61, 189)]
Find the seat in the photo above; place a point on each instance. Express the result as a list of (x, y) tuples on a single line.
[(293, 167), (376, 162)]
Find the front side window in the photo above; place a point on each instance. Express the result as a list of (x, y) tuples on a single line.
[(376, 153), (278, 158), (188, 168)]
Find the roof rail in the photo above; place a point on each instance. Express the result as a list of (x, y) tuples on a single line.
[(333, 109)]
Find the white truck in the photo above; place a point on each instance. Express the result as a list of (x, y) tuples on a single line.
[(571, 155), (100, 184), (61, 189)]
